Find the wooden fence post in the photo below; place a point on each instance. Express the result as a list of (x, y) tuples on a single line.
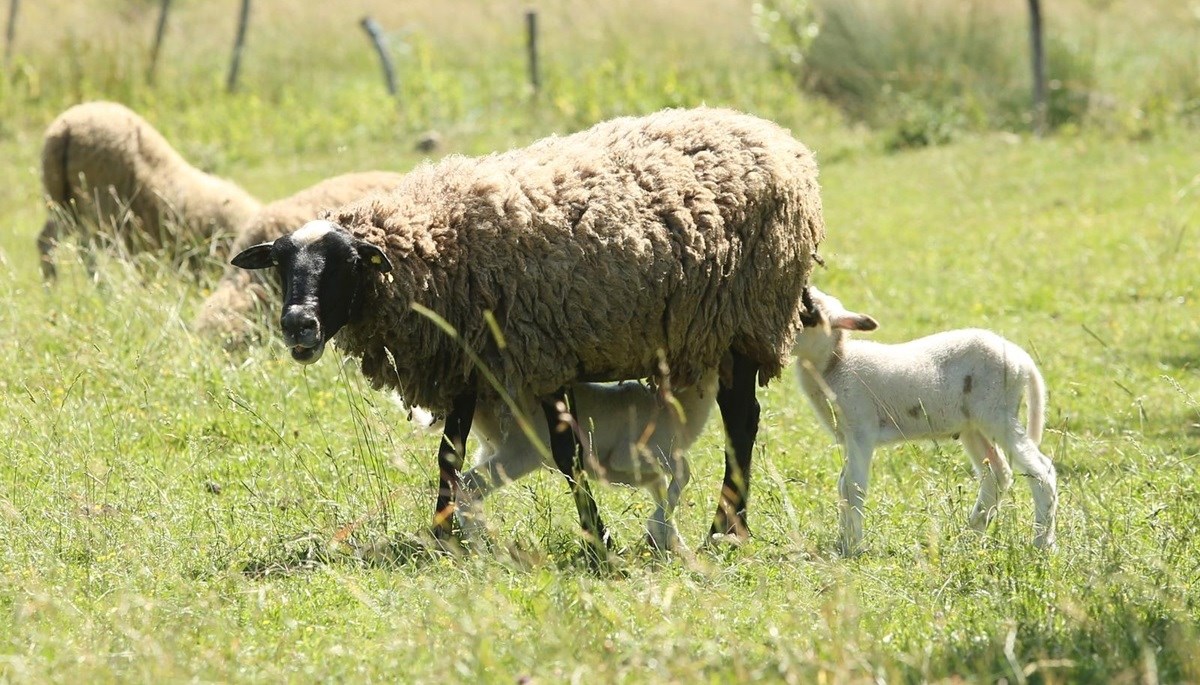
[(159, 30), (531, 35), (376, 35), (1039, 67), (239, 42), (10, 33)]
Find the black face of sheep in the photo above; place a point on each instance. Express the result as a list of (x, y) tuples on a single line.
[(320, 267)]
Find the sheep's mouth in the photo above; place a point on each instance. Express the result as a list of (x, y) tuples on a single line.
[(307, 354)]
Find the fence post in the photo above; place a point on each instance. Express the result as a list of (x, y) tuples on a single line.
[(376, 35), (159, 30), (1039, 67), (239, 41), (531, 43), (10, 33)]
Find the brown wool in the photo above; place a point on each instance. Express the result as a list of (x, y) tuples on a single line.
[(106, 166), (691, 231)]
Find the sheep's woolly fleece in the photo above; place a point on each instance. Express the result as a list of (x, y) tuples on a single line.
[(690, 231), (103, 164), (226, 312)]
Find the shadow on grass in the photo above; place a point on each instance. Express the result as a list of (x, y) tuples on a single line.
[(1187, 357), (313, 551)]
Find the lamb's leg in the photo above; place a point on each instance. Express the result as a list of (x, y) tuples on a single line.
[(1043, 481), (450, 459), (994, 474), (660, 530), (568, 457), (852, 492), (739, 413), (500, 469)]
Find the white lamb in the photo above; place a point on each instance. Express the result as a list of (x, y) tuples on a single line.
[(964, 383), (631, 437)]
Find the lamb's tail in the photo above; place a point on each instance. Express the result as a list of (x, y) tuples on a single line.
[(1035, 392)]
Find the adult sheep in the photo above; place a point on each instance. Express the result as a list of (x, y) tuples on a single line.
[(686, 236), (228, 312), (105, 170)]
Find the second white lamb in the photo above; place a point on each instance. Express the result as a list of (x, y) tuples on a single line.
[(964, 383)]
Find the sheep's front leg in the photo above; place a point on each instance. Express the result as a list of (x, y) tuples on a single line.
[(450, 460), (568, 457), (739, 412), (852, 491)]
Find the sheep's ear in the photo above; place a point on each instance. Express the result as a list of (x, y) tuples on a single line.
[(853, 322), (373, 256), (256, 257)]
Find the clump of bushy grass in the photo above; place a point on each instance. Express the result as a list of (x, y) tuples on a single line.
[(923, 72)]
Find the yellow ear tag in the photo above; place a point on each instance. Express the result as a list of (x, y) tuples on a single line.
[(376, 260)]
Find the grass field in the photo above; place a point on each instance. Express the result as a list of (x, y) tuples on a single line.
[(171, 511)]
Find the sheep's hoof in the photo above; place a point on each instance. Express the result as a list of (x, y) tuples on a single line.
[(1044, 541), (979, 521), (664, 540), (728, 528), (726, 539), (446, 538)]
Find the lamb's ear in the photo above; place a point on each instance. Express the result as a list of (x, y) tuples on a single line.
[(851, 321), (256, 257), (373, 256)]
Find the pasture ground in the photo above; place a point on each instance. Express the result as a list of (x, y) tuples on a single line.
[(172, 511)]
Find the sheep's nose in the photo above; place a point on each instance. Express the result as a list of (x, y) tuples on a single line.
[(300, 327)]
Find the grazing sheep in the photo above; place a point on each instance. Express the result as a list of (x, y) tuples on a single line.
[(685, 235), (108, 174), (963, 383), (228, 312), (630, 437)]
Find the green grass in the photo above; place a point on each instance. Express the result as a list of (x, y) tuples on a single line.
[(172, 512)]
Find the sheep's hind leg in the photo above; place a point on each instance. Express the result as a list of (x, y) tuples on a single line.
[(47, 240), (994, 474), (568, 457), (739, 412), (1043, 481), (450, 459)]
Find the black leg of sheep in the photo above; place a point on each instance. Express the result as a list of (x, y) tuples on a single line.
[(450, 460), (739, 413), (568, 456)]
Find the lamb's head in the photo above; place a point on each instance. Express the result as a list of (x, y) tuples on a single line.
[(323, 270), (823, 325)]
